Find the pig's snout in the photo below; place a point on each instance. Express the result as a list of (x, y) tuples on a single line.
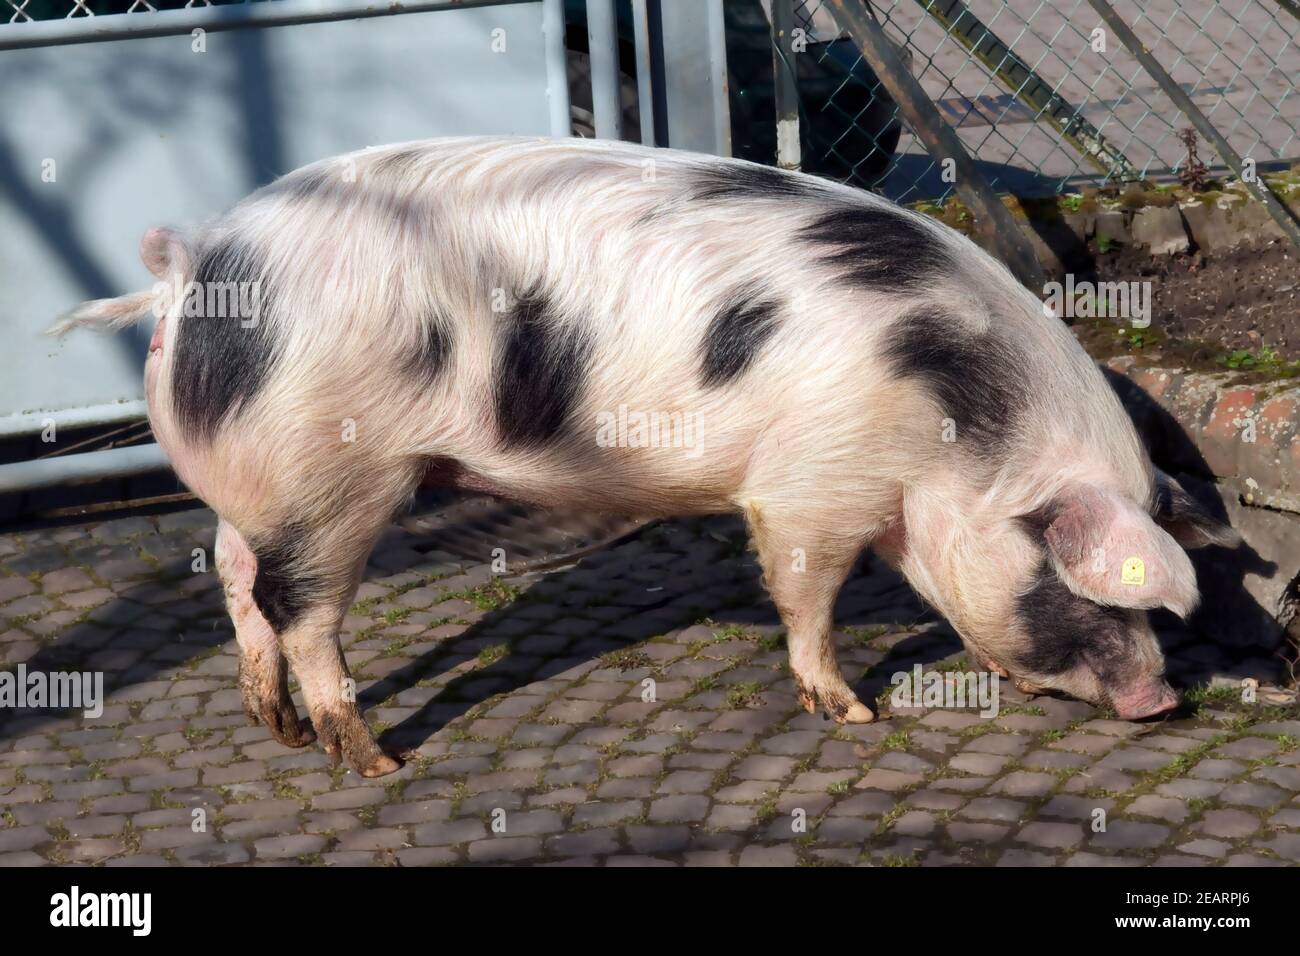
[(1146, 700)]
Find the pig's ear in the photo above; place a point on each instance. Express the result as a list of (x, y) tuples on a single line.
[(1190, 522), (165, 253), (1107, 550)]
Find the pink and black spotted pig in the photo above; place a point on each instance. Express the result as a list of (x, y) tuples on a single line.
[(464, 311)]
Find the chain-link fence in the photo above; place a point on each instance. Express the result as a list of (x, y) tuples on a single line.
[(1040, 93), (1044, 97), (22, 11)]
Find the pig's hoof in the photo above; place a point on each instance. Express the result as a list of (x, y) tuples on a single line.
[(840, 703), (284, 725), (345, 736), (280, 717), (858, 713), (382, 766)]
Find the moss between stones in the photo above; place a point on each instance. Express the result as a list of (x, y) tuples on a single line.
[(1130, 197), (1152, 348)]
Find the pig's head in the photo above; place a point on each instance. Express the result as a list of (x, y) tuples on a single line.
[(1058, 598)]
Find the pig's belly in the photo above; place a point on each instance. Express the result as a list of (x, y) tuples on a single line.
[(645, 492)]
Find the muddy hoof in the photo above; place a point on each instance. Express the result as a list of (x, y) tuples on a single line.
[(283, 723), (858, 713), (345, 736), (1025, 687), (382, 766), (279, 716), (840, 703)]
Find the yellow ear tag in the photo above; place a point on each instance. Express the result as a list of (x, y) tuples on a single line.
[(1133, 572)]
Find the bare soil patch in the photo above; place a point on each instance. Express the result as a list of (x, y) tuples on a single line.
[(1237, 309)]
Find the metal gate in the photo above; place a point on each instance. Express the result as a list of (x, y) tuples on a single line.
[(114, 123)]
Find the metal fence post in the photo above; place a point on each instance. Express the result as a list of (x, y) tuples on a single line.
[(992, 219), (693, 47), (785, 84), (1280, 214), (557, 67), (606, 85), (1290, 6), (644, 70)]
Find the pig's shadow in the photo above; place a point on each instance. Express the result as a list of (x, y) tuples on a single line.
[(671, 576), (1230, 633)]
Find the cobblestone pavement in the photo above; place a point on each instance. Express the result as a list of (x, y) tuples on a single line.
[(520, 701)]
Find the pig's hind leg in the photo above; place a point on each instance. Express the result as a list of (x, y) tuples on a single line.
[(309, 551), (803, 572), (307, 580), (263, 671)]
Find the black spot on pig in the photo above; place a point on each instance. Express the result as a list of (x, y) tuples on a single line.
[(224, 346), (1066, 630), (430, 356), (281, 589), (878, 249), (735, 336), (750, 181), (539, 374), (972, 375)]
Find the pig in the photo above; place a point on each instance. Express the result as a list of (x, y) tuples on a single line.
[(466, 312)]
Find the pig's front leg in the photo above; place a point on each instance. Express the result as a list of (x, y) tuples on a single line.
[(803, 572), (263, 672)]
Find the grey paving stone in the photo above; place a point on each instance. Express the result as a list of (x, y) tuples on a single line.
[(1210, 848), (997, 809), (1130, 835), (653, 840), (962, 832), (1016, 857), (600, 841), (1168, 809), (1228, 824), (584, 771), (504, 848), (686, 781), (608, 813), (1023, 783), (891, 780), (687, 809), (768, 856), (1252, 795), (1056, 836), (449, 832), (1217, 769)]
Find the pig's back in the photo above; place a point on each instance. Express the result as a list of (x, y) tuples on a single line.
[(523, 288)]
